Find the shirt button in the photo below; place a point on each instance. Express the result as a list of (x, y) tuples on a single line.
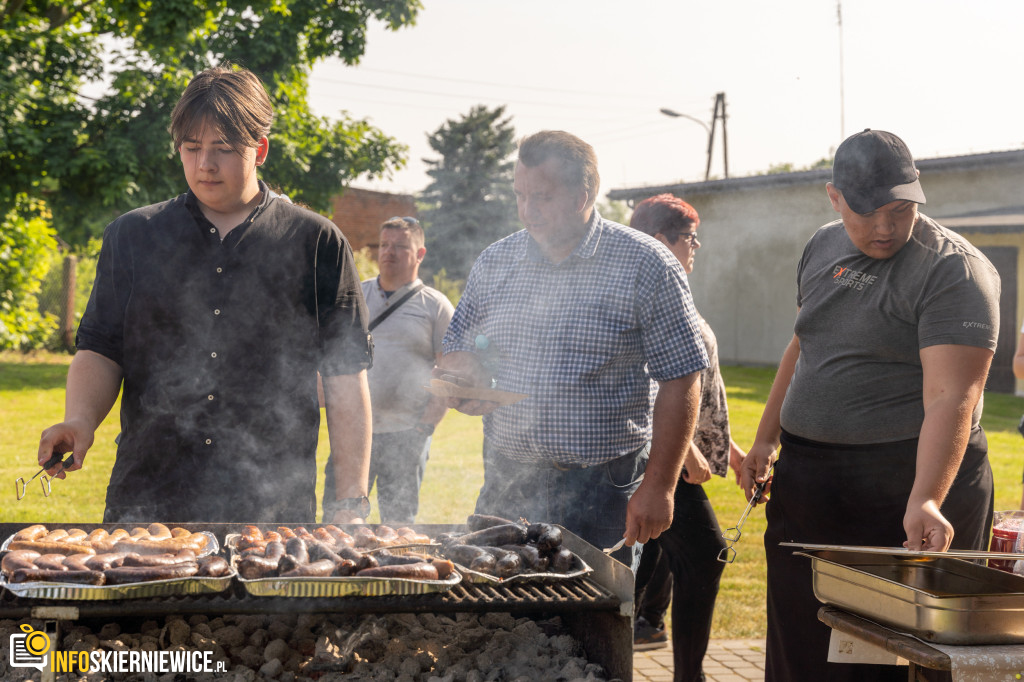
[(216, 311), (213, 230), (213, 354), (220, 270), (208, 441), (209, 397)]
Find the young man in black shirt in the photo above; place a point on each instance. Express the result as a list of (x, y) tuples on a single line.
[(213, 312)]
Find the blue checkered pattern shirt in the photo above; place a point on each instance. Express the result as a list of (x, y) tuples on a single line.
[(584, 338)]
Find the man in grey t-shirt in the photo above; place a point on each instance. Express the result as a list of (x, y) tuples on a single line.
[(408, 321), (877, 401)]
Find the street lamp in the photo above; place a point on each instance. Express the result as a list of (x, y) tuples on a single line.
[(719, 102)]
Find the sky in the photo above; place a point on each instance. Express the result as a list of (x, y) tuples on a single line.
[(945, 75)]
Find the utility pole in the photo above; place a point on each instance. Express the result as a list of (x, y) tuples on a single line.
[(719, 114)]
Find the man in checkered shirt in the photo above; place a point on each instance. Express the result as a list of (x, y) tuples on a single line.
[(595, 323)]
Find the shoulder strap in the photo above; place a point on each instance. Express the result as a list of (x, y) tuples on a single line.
[(393, 307)]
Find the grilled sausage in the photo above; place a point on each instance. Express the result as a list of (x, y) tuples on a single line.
[(364, 538), (321, 568), (138, 574), (213, 566), (158, 531), (507, 564), (344, 569), (76, 535), (418, 571), (341, 536), (386, 535), (35, 532), (98, 535), (51, 562), (105, 544), (22, 558), (194, 541), (444, 567), (31, 575), (134, 559), (286, 532), (102, 562), (254, 568), (45, 547), (319, 550), (75, 562)]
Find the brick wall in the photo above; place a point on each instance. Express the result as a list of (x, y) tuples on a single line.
[(360, 212)]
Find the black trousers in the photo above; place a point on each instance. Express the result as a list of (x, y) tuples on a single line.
[(682, 566), (849, 495)]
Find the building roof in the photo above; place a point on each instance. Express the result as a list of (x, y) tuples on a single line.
[(942, 164)]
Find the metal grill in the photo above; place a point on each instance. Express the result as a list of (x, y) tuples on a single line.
[(597, 609)]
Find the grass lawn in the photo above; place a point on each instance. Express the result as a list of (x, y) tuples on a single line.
[(32, 398)]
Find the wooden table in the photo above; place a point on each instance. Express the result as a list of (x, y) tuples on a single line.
[(926, 664)]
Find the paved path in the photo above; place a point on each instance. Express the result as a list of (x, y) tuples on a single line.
[(727, 660)]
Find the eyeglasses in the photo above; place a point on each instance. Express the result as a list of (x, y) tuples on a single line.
[(732, 535), (689, 236), (409, 220)]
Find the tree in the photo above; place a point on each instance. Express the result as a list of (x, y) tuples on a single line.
[(26, 249), (469, 202), (93, 158)]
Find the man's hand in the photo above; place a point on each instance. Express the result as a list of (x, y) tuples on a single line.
[(648, 515), (736, 457), (696, 469), (755, 470), (465, 369), (69, 436), (927, 529)]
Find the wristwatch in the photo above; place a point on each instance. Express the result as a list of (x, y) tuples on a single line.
[(360, 505), (424, 428)]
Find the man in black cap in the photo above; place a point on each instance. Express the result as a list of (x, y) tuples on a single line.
[(876, 405)]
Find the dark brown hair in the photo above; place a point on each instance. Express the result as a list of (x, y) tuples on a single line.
[(407, 224), (576, 157), (232, 100)]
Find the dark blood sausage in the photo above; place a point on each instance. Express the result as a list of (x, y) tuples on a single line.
[(344, 569), (139, 574), (547, 537), (296, 549), (256, 567), (32, 575), (419, 571), (319, 550), (480, 521), (473, 558), (507, 564), (562, 561), (321, 568), (386, 558), (495, 536), (213, 567), (275, 550), (533, 560)]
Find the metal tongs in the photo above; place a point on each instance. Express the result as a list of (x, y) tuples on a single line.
[(732, 535), (21, 485)]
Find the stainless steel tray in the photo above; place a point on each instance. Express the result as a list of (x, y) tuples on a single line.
[(943, 600), (211, 547), (153, 588), (352, 586)]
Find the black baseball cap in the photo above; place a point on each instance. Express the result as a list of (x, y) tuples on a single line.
[(873, 168)]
